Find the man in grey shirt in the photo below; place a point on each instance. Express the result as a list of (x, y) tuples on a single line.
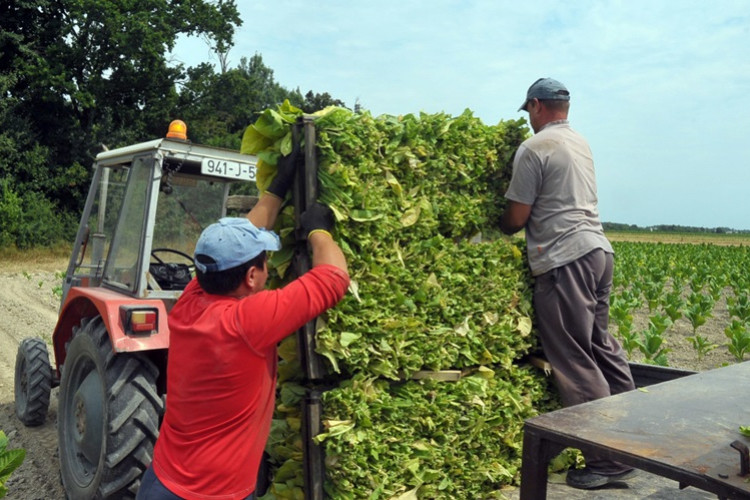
[(552, 195)]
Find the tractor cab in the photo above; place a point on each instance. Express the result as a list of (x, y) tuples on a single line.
[(133, 255), (146, 208)]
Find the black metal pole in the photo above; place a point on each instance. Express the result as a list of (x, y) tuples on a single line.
[(305, 193)]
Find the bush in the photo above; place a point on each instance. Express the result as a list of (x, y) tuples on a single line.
[(11, 213), (30, 219)]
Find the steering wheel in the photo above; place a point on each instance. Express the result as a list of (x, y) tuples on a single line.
[(172, 250)]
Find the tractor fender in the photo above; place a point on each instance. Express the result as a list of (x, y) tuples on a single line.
[(88, 302)]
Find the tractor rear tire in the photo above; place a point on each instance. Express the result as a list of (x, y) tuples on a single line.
[(33, 382), (108, 418)]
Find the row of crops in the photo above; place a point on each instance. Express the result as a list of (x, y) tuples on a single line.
[(681, 283)]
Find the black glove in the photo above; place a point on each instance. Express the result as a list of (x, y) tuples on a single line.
[(318, 217), (285, 170)]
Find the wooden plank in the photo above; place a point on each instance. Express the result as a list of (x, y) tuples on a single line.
[(443, 375)]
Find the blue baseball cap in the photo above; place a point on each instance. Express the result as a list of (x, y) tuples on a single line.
[(233, 241), (546, 89)]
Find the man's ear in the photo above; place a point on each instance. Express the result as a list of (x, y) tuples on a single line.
[(250, 276)]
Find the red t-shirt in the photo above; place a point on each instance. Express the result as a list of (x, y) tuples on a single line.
[(221, 381)]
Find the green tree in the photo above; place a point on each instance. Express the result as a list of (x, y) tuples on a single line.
[(27, 218), (82, 73), (315, 102), (218, 106)]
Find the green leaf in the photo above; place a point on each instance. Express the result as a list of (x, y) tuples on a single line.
[(289, 112), (286, 144), (282, 259), (410, 217), (269, 157), (10, 460), (288, 348), (271, 125), (253, 142), (409, 495), (524, 325), (348, 338), (365, 215), (393, 183), (335, 428)]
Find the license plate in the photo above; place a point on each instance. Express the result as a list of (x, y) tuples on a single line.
[(228, 169)]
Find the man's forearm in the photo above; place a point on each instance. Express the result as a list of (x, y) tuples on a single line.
[(506, 225), (515, 217), (264, 213), (326, 251)]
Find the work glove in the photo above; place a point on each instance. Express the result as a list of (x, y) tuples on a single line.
[(317, 218), (285, 171)]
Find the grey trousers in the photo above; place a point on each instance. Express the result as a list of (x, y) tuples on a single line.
[(572, 312)]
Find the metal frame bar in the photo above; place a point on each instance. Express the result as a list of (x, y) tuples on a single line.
[(304, 195)]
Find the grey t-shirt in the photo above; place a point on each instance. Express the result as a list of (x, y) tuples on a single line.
[(554, 172)]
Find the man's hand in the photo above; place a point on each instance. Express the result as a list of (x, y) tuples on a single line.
[(317, 222), (285, 170), (318, 217)]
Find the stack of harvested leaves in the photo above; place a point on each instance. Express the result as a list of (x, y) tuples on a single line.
[(410, 195)]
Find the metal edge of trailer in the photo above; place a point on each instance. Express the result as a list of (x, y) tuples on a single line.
[(304, 194), (313, 458), (645, 374)]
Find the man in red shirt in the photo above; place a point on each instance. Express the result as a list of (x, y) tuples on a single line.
[(221, 374)]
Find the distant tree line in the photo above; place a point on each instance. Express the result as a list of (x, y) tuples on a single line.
[(80, 75), (670, 228)]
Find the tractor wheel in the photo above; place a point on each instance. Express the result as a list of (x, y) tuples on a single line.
[(108, 416), (33, 382)]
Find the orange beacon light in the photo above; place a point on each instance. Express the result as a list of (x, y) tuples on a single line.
[(177, 130)]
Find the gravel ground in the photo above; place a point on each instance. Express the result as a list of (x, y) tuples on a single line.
[(28, 308)]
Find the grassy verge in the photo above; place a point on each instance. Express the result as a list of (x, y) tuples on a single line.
[(45, 259)]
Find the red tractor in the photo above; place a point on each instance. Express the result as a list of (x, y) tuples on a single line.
[(132, 257)]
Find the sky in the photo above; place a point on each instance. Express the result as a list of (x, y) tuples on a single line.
[(660, 89)]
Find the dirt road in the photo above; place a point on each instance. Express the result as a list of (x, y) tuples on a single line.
[(28, 308)]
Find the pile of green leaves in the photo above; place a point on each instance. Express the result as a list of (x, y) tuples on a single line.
[(436, 439), (462, 439), (441, 305), (284, 448), (430, 438), (408, 193), (414, 197)]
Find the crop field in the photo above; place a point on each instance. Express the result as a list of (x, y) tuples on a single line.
[(682, 300), (725, 239)]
